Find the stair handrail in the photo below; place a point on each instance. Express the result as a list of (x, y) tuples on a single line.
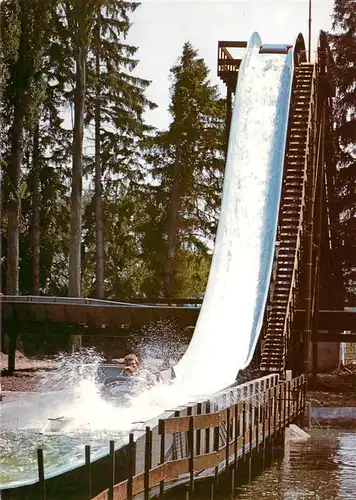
[(290, 301)]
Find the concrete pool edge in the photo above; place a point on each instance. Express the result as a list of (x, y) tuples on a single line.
[(331, 416)]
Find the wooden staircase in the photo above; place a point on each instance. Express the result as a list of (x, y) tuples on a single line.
[(280, 308)]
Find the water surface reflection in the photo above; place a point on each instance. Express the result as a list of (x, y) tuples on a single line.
[(323, 468)]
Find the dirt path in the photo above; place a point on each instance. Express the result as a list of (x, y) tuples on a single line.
[(28, 375)]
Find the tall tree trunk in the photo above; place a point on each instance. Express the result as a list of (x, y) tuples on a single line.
[(13, 210), (172, 232), (14, 203), (35, 230), (99, 225), (74, 284)]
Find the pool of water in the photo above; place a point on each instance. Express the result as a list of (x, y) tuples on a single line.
[(18, 457), (323, 468)]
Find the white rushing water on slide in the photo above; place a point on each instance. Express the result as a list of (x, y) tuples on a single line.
[(232, 312)]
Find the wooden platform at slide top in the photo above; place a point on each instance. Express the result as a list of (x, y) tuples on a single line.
[(25, 311)]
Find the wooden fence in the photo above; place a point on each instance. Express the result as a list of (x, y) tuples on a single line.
[(201, 444), (215, 441)]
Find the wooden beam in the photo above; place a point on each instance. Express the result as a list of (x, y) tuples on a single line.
[(334, 337), (114, 316), (236, 45), (64, 329), (328, 320)]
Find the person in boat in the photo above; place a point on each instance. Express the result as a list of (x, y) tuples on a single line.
[(132, 362), (128, 371)]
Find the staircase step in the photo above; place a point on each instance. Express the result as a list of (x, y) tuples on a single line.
[(274, 347)]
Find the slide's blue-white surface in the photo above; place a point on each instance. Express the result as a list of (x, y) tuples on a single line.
[(232, 311)]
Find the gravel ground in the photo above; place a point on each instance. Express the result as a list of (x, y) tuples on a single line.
[(27, 377), (334, 389)]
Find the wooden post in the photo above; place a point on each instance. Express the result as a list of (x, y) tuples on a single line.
[(237, 432), (263, 428), (87, 470), (112, 470), (162, 433), (284, 404), (207, 431), (243, 430), (191, 454), (177, 443), (187, 443), (41, 477), (216, 448), (304, 390), (13, 334), (132, 466), (319, 224), (227, 444), (275, 412), (148, 462), (198, 431), (281, 425), (312, 170), (250, 425), (259, 420), (270, 434)]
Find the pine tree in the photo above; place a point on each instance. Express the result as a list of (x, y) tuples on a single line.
[(25, 27), (99, 220), (125, 261), (115, 103), (187, 160), (78, 21), (49, 179), (343, 44)]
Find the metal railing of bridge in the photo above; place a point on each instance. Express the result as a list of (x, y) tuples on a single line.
[(149, 302)]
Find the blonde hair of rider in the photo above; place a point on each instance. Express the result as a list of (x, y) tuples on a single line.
[(131, 357)]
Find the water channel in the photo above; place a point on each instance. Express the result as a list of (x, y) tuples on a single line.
[(323, 468), (18, 457)]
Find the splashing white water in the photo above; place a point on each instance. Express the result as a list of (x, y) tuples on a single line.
[(71, 370), (87, 410), (162, 339)]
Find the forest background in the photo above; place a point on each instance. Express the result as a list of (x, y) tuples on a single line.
[(112, 207)]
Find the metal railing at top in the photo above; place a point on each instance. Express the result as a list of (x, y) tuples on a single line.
[(159, 303)]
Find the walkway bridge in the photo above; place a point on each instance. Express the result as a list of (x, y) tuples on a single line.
[(41, 316)]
